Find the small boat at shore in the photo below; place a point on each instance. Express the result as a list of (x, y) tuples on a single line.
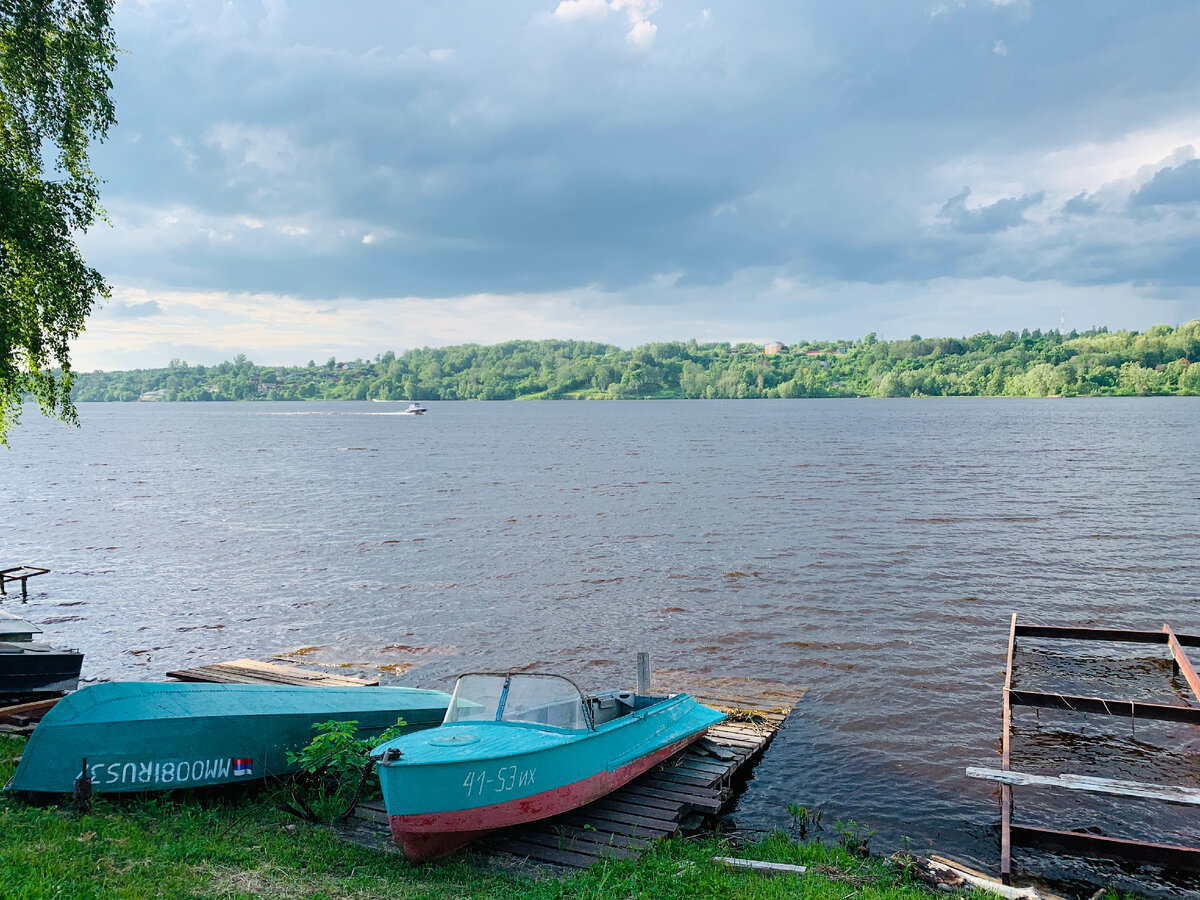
[(144, 736), (519, 747), (30, 670)]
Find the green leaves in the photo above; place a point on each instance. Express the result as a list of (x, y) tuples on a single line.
[(56, 59), (335, 768)]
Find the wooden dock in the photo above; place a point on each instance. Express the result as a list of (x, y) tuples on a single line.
[(253, 671), (677, 795)]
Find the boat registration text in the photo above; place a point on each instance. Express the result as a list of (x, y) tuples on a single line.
[(500, 781), (176, 772)]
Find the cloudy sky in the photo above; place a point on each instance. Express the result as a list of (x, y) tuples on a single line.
[(297, 180)]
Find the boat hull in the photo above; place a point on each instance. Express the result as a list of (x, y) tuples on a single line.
[(428, 836), (454, 783), (30, 671), (140, 736)]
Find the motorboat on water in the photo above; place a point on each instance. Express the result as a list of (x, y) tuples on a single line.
[(414, 409), (29, 669), (145, 736), (519, 747)]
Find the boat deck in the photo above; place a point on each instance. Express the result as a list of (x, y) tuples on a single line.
[(675, 796)]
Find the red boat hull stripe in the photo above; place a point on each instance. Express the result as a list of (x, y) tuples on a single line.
[(429, 835)]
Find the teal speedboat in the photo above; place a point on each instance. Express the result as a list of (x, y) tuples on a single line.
[(143, 736), (520, 747)]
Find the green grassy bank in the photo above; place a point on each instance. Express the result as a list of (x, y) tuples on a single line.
[(189, 846)]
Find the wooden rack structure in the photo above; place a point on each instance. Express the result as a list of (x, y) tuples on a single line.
[(21, 574), (1166, 855)]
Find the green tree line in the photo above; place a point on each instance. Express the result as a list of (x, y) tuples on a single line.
[(1156, 362)]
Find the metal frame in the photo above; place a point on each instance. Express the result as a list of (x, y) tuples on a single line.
[(1171, 856)]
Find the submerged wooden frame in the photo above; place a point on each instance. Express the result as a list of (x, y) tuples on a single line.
[(1168, 855)]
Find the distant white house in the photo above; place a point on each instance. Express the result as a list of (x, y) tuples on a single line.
[(150, 396)]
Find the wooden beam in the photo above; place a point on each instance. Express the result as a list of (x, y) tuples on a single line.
[(1006, 797), (1170, 856), (643, 674), (759, 866), (955, 874), (1170, 793), (1116, 635), (253, 671), (1127, 708), (1181, 661)]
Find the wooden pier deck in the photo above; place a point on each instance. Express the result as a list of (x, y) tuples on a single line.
[(253, 671), (677, 795)]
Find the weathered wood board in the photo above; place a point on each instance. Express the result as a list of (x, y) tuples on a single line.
[(253, 671)]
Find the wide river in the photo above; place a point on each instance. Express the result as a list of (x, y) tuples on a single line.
[(871, 551)]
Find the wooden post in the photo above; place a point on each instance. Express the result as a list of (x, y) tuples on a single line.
[(1006, 798), (1182, 664), (643, 674)]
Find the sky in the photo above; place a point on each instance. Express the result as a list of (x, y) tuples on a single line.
[(300, 180)]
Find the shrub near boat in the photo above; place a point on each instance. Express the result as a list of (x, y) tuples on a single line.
[(519, 747)]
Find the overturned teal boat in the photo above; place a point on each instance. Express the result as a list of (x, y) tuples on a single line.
[(142, 736)]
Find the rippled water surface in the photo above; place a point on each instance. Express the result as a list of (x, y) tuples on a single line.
[(870, 551)]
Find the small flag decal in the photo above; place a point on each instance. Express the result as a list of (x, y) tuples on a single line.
[(243, 767)]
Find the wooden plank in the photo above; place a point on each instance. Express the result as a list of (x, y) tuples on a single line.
[(700, 763), (713, 771), (624, 823), (643, 673), (760, 866), (1170, 856), (1128, 708), (553, 856), (27, 712), (637, 807), (1181, 661), (252, 671), (745, 730), (678, 776), (275, 670), (949, 871), (667, 807), (570, 844), (577, 836), (680, 787), (1116, 635), (371, 815), (748, 729), (603, 831), (766, 709), (736, 741), (665, 817), (1006, 798), (1169, 793), (705, 803), (706, 745)]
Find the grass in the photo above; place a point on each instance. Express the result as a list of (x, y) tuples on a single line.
[(186, 845)]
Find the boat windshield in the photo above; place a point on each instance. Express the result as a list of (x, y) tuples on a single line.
[(540, 699)]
